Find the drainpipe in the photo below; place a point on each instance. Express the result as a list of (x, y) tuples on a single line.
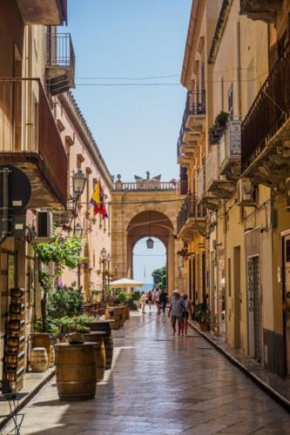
[(5, 173), (238, 105)]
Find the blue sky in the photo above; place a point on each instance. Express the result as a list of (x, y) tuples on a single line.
[(136, 127)]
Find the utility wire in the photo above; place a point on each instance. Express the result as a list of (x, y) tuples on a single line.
[(129, 78)]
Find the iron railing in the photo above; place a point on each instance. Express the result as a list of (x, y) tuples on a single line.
[(60, 51), (270, 110), (27, 127), (147, 185), (195, 105), (190, 208)]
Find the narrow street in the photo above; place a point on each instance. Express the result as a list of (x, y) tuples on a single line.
[(161, 385)]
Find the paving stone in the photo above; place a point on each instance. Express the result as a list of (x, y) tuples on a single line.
[(164, 386)]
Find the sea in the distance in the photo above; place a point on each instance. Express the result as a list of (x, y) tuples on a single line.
[(146, 288)]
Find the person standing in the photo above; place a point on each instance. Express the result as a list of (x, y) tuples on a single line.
[(176, 311), (163, 300), (143, 302), (150, 299), (187, 311), (157, 300)]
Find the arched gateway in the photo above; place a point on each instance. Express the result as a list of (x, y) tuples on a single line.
[(143, 209)]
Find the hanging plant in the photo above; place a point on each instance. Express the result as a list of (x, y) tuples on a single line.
[(63, 253)]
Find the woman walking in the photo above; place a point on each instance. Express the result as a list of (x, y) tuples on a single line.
[(187, 311), (143, 302)]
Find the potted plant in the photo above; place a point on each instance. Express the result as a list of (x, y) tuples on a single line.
[(201, 316), (221, 121)]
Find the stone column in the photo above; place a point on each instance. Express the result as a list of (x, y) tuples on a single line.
[(171, 265)]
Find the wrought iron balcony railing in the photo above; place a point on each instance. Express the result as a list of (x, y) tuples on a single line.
[(60, 62), (30, 139), (195, 104), (270, 110), (191, 209)]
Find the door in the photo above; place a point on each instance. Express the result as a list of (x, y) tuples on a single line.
[(286, 259), (212, 291), (7, 281), (193, 282), (254, 307), (204, 300), (190, 279), (237, 292)]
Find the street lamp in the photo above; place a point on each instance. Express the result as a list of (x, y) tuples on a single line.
[(78, 231), (79, 182), (103, 254), (150, 243)]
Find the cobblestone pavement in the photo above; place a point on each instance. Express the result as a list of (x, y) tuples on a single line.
[(161, 385)]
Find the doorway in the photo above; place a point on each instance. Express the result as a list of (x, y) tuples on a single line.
[(254, 307), (237, 301)]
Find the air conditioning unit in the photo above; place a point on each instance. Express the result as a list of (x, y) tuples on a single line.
[(246, 193), (44, 226)]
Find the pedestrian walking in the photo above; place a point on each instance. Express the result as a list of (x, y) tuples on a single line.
[(150, 299), (187, 312), (176, 311), (143, 302), (157, 300), (163, 300)]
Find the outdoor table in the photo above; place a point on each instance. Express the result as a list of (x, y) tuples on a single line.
[(13, 401)]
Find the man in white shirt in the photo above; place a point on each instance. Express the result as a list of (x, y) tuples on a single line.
[(176, 310)]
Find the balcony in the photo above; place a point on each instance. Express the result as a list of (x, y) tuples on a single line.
[(193, 119), (230, 151), (215, 184), (44, 12), (266, 129), (191, 219), (30, 140), (152, 185), (60, 68), (264, 10)]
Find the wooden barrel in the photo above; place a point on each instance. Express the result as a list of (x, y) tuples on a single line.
[(38, 359), (75, 371), (51, 361), (41, 340), (101, 325), (105, 327), (97, 338)]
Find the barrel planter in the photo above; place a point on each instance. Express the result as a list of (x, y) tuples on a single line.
[(97, 338), (38, 360), (105, 327), (115, 314), (75, 371), (41, 340)]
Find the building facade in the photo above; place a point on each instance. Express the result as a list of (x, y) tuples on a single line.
[(43, 133), (238, 174)]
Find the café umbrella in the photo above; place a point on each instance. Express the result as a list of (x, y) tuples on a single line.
[(126, 283)]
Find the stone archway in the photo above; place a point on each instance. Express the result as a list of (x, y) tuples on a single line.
[(152, 223), (136, 213)]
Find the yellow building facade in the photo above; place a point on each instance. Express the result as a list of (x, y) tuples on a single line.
[(236, 167)]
